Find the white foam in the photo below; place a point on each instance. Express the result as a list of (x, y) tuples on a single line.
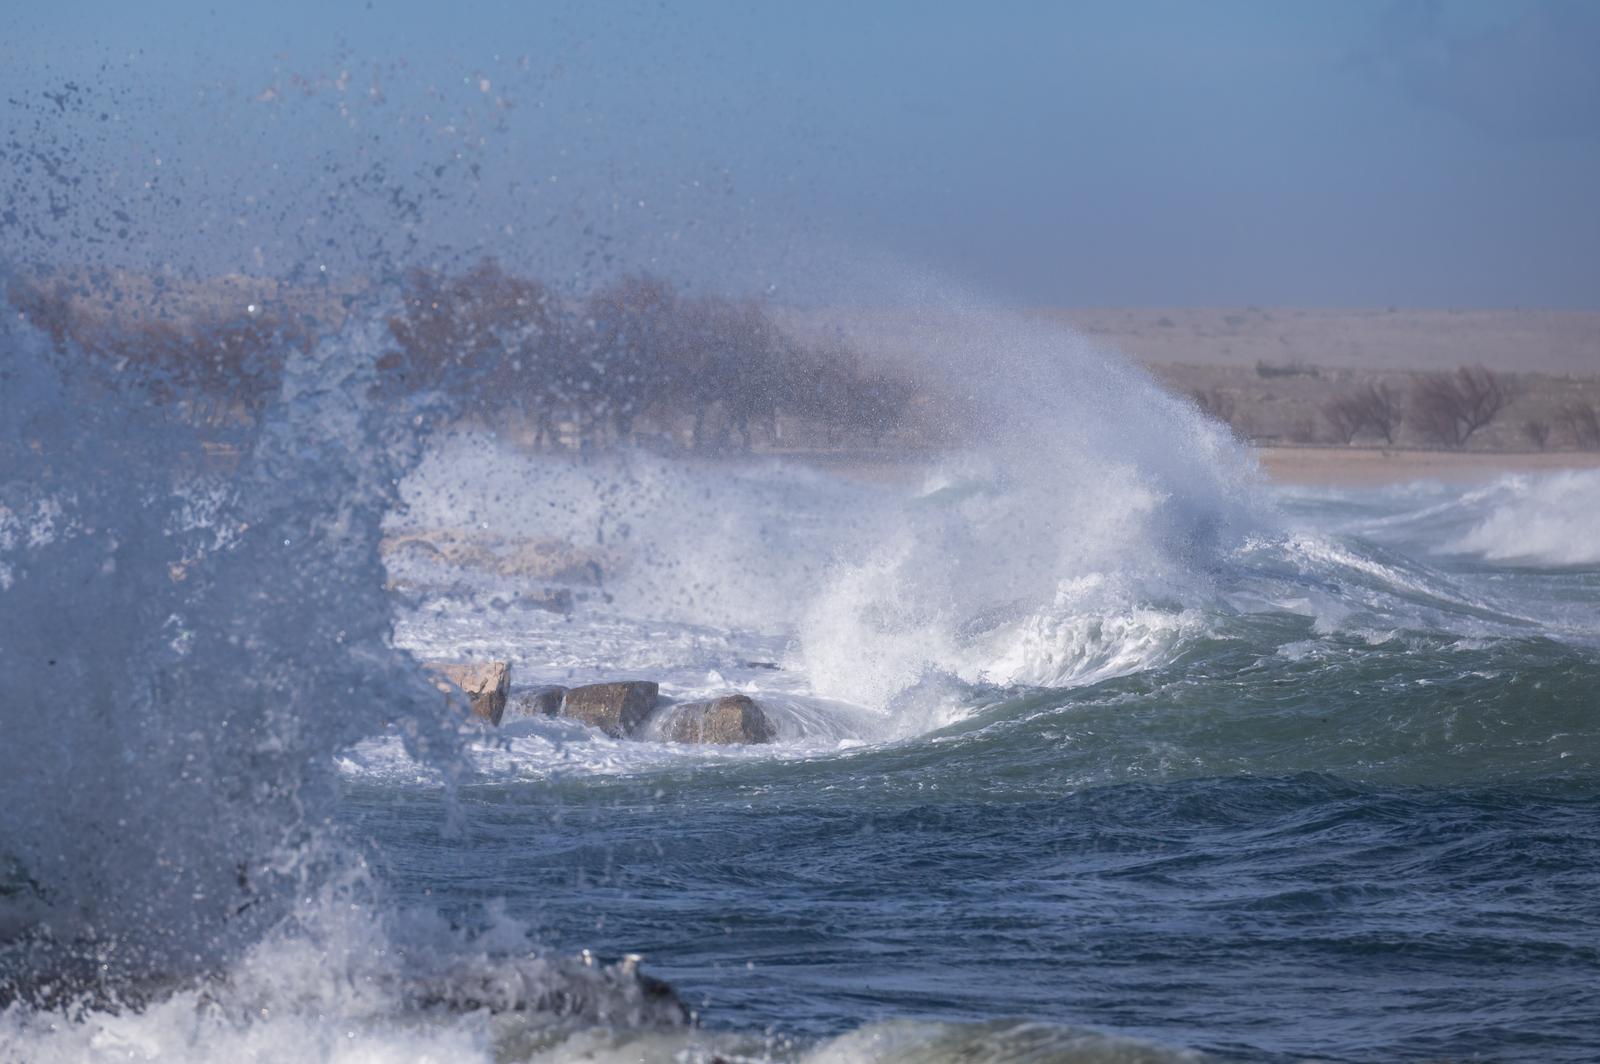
[(1551, 520)]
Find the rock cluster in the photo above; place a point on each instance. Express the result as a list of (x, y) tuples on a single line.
[(621, 709)]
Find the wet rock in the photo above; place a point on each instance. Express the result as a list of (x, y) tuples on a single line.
[(552, 560), (730, 719), (485, 683), (582, 988), (555, 600), (539, 701), (615, 708)]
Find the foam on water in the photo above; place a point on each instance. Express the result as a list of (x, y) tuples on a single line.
[(1530, 519), (1552, 520)]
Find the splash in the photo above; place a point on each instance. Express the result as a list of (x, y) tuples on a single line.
[(184, 648), (1065, 546), (1540, 521)]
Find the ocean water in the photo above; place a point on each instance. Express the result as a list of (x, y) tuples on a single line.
[(1092, 745)]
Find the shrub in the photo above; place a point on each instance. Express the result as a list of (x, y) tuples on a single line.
[(1447, 408)]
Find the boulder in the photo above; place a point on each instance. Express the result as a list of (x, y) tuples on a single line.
[(553, 560), (553, 599), (729, 719), (539, 701), (584, 989), (615, 708), (485, 683)]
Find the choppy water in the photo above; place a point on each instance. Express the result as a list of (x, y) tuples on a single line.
[(1091, 746)]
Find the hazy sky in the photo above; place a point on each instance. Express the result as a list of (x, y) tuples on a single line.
[(1136, 152)]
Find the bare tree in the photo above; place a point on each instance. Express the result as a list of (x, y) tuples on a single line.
[(1537, 432), (1384, 410), (1447, 408), (1343, 416), (1302, 430), (208, 361), (1375, 408), (1582, 423), (477, 334)]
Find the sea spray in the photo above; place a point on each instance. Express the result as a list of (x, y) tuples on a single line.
[(184, 649), (1059, 544)]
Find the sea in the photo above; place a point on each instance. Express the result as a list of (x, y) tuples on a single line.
[(1092, 743)]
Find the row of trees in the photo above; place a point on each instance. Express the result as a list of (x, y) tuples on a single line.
[(211, 361), (1578, 421), (1447, 409), (635, 354), (1444, 409)]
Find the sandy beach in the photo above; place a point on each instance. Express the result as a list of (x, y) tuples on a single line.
[(1368, 467)]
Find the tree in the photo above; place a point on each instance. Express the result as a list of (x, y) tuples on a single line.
[(631, 323), (486, 336), (1374, 408), (1447, 408), (1537, 432), (209, 358), (1214, 403), (1582, 423)]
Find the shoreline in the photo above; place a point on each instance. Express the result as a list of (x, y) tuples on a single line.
[(1284, 466), (1359, 467), (1312, 467)]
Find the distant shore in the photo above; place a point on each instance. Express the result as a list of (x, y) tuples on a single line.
[(1355, 467), (1334, 467)]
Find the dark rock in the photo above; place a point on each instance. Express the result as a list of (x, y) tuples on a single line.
[(485, 683), (615, 708), (730, 719), (546, 560), (555, 600), (539, 701), (582, 988)]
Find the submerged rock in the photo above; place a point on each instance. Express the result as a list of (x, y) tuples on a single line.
[(485, 683), (730, 719), (539, 701), (615, 708), (613, 995), (553, 600)]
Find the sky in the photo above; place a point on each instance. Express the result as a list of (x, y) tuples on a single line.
[(1129, 153)]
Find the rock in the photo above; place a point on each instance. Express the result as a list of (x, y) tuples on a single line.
[(552, 560), (539, 701), (729, 719), (615, 708), (585, 989), (485, 683), (555, 600)]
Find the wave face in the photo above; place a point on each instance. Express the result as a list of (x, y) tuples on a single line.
[(1084, 724)]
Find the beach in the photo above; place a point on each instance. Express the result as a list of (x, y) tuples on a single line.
[(1371, 467)]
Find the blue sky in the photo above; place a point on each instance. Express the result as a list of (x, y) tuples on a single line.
[(1143, 152)]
